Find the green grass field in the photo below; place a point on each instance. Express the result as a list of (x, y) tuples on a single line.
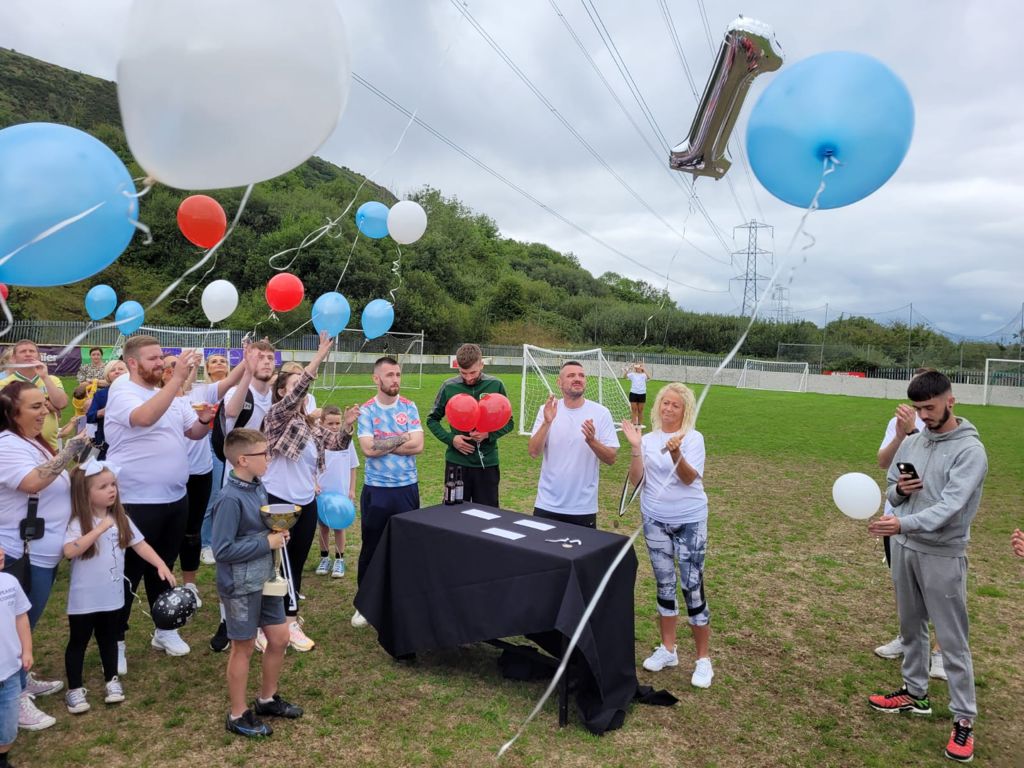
[(798, 593)]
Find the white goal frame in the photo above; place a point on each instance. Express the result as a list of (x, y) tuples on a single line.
[(986, 388), (173, 338), (765, 370), (354, 356), (608, 388)]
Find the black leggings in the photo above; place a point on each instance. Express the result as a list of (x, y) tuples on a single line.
[(163, 526), (105, 624), (198, 490), (299, 541)]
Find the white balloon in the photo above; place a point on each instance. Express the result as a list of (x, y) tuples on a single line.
[(407, 221), (220, 299), (857, 495), (228, 93)]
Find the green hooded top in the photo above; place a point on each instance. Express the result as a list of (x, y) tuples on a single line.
[(488, 450)]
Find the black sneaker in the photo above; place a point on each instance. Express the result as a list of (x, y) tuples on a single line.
[(248, 725), (220, 640), (277, 707)]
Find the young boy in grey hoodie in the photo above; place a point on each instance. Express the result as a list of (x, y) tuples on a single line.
[(934, 486)]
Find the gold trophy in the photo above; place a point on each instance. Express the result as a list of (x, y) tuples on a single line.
[(278, 518)]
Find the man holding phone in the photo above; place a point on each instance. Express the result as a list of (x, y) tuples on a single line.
[(930, 526)]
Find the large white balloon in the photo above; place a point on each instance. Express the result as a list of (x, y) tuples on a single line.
[(856, 495), (407, 221), (228, 93), (220, 299)]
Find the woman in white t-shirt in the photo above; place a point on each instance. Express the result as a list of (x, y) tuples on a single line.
[(638, 377), (670, 461)]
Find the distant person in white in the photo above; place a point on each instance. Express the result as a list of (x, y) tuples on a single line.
[(572, 434), (638, 377), (147, 427)]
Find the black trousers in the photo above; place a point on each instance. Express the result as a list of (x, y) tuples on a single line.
[(587, 521), (480, 484), (105, 625), (299, 541), (377, 506), (198, 491), (163, 526)]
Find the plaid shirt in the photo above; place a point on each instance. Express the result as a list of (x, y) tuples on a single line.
[(287, 430)]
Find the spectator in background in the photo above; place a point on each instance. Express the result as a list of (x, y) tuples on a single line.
[(94, 371), (26, 365), (638, 377), (98, 407)]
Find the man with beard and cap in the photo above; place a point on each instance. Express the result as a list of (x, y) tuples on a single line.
[(934, 486), (572, 434), (390, 437)]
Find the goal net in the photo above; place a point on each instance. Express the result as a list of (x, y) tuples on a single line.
[(540, 374), (174, 340), (1003, 377), (350, 365), (775, 375)]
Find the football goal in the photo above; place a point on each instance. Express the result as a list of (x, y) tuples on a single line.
[(774, 374), (1000, 374), (174, 340), (350, 365), (540, 374)]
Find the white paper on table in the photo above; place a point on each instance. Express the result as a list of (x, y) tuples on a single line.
[(535, 524), (504, 534), (474, 512)]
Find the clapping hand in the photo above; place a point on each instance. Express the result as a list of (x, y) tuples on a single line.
[(550, 409), (632, 433)]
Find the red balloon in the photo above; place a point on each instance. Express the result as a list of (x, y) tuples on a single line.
[(495, 411), (3, 291), (462, 412), (202, 220), (284, 292)]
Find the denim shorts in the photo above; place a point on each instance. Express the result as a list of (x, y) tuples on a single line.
[(10, 690), (245, 613), (684, 545)]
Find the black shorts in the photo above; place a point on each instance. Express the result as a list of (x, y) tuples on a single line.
[(635, 398)]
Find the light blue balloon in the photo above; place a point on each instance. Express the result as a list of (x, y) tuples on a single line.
[(335, 510), (331, 313), (847, 105), (100, 301), (372, 219), (377, 319), (129, 316), (50, 173)]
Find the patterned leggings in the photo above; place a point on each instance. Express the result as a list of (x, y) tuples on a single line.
[(686, 544)]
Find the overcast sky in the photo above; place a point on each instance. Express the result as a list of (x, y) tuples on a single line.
[(943, 234)]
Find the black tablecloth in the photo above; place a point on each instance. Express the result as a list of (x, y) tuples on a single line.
[(438, 581)]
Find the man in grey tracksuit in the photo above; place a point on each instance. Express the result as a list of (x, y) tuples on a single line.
[(931, 525)]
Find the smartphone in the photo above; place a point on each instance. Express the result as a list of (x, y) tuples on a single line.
[(906, 468)]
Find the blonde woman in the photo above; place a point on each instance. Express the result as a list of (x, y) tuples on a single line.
[(670, 461)]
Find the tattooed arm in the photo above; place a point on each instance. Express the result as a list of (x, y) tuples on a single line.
[(373, 447), (40, 477)]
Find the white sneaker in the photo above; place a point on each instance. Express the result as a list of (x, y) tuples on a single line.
[(661, 658), (29, 717), (75, 701), (122, 659), (195, 591), (358, 620), (891, 650), (324, 567), (115, 691), (170, 642), (206, 556), (937, 669), (702, 674), (38, 687), (338, 570)]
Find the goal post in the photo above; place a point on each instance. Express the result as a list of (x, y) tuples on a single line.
[(210, 341), (350, 364), (1001, 372), (778, 375), (540, 379)]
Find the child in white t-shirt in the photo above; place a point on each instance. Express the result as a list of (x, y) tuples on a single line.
[(15, 656), (339, 477), (95, 542)]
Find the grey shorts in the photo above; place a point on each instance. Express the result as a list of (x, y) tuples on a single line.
[(245, 613)]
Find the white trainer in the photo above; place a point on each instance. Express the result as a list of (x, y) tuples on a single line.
[(195, 591), (30, 718), (324, 566), (891, 650), (122, 658), (206, 556), (75, 701), (937, 669), (38, 687), (661, 658), (114, 691), (170, 642), (358, 620), (702, 674)]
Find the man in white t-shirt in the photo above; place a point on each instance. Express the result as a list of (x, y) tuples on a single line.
[(572, 434), (146, 427), (259, 364)]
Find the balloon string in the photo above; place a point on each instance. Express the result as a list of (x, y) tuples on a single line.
[(664, 296), (345, 268), (396, 267), (51, 231), (7, 316)]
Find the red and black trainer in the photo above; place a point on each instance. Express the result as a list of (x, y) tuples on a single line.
[(900, 701), (961, 742)]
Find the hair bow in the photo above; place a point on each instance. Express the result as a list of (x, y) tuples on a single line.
[(95, 466)]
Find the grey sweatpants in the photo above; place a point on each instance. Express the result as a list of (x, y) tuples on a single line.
[(934, 587)]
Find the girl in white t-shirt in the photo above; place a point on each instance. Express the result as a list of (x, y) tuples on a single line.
[(339, 476), (670, 460), (97, 536), (638, 377)]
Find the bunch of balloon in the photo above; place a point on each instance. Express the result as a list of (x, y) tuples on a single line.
[(129, 317), (202, 220), (841, 106), (284, 292), (246, 95), (495, 411), (68, 210), (220, 300), (462, 412), (100, 301), (372, 219), (331, 313), (377, 318), (406, 222)]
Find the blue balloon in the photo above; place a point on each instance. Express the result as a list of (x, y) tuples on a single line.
[(378, 317), (846, 105), (100, 301), (331, 313), (335, 510), (372, 219), (50, 173), (129, 316)]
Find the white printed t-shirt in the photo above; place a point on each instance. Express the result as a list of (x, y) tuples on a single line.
[(666, 498), (13, 603), (97, 583), (569, 470), (381, 421), (338, 470)]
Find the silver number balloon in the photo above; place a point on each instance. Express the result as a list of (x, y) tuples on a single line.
[(749, 48)]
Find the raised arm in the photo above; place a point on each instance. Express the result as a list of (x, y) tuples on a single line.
[(150, 412), (540, 438)]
